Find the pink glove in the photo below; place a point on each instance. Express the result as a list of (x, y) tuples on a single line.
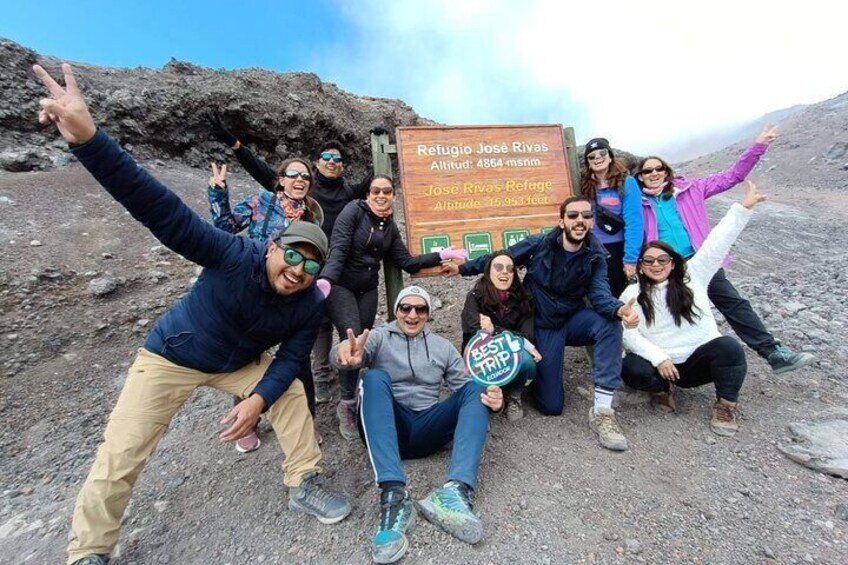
[(324, 286), (453, 254)]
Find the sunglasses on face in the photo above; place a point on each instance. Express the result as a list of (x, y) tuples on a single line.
[(599, 154), (295, 174), (381, 189), (501, 267), (660, 169), (327, 156), (661, 260), (420, 309), (573, 214), (293, 258)]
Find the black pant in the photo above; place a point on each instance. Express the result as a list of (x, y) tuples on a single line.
[(720, 361), (739, 314), (615, 267), (354, 310)]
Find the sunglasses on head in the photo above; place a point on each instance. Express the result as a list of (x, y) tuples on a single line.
[(293, 258), (294, 174), (599, 154), (378, 189), (420, 309), (662, 260), (327, 156), (660, 169), (574, 214), (501, 267)]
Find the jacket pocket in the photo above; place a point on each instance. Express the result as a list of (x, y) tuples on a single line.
[(176, 340)]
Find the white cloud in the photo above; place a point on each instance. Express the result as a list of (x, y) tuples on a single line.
[(641, 73)]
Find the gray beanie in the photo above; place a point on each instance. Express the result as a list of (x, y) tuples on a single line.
[(413, 291)]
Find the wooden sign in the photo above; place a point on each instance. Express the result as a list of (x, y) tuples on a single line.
[(482, 188)]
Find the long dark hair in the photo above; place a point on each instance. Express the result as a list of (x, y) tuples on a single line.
[(615, 179), (679, 297), (489, 294), (668, 191)]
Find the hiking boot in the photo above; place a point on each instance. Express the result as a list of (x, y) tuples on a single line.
[(450, 509), (93, 559), (663, 401), (323, 392), (312, 498), (606, 426), (397, 515), (348, 424), (724, 422), (248, 443), (783, 360), (514, 410)]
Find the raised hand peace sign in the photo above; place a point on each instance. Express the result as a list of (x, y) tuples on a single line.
[(65, 108), (752, 196), (219, 176), (768, 134), (350, 352)]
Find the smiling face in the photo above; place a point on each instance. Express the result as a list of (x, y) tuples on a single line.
[(653, 174), (329, 167), (656, 271), (412, 322), (598, 161), (296, 188), (575, 225), (502, 272), (287, 279), (381, 196)]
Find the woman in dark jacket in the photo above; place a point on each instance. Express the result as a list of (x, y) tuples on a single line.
[(500, 302), (363, 236)]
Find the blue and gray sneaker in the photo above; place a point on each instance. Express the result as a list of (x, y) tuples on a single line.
[(783, 360), (397, 515), (450, 509), (312, 498), (93, 559)]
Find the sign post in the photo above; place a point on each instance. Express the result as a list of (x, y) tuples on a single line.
[(381, 157)]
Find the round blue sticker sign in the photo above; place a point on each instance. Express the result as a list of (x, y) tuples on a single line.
[(493, 359)]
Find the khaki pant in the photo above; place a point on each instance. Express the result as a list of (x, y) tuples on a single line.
[(153, 392)]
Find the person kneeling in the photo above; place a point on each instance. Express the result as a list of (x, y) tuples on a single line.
[(677, 340), (402, 418)]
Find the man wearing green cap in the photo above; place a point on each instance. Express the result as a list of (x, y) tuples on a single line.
[(250, 297)]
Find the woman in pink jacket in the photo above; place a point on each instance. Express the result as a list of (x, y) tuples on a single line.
[(674, 210)]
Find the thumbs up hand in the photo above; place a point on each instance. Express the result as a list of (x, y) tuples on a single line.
[(628, 315)]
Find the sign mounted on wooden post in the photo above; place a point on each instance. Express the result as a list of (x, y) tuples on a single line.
[(483, 188)]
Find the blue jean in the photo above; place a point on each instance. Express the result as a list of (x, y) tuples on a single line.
[(526, 374), (585, 327), (394, 432)]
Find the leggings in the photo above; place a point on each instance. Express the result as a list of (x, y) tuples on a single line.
[(355, 311)]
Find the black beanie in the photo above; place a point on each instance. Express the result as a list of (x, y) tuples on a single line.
[(597, 143)]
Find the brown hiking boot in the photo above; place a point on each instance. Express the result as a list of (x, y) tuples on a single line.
[(606, 426), (663, 401), (724, 422)]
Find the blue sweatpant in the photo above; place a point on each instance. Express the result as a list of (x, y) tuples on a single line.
[(394, 432), (585, 327)]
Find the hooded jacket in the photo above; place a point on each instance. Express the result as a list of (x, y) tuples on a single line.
[(417, 365), (261, 214)]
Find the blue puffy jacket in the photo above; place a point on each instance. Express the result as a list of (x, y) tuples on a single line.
[(232, 314), (558, 296)]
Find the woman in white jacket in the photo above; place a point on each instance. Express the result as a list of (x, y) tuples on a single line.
[(677, 340)]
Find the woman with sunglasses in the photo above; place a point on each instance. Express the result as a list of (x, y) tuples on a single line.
[(265, 215), (677, 340), (364, 235), (618, 214), (675, 210), (500, 302)]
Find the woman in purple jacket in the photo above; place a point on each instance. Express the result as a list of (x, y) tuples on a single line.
[(674, 210)]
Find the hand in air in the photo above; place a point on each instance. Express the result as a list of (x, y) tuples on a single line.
[(219, 130), (65, 107), (244, 416), (350, 352), (452, 254), (768, 134), (752, 196), (219, 176), (628, 315), (492, 398), (668, 371)]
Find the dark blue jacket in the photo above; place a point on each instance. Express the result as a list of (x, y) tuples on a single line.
[(232, 314), (558, 296)]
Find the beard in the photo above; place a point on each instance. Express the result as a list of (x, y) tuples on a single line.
[(571, 239)]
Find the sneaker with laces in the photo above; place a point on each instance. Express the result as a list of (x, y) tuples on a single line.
[(397, 515), (323, 392), (248, 443), (93, 559), (783, 360), (663, 401), (312, 498), (514, 410), (449, 508), (724, 421), (604, 424), (348, 423)]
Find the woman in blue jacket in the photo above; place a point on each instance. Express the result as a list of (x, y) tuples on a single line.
[(618, 211)]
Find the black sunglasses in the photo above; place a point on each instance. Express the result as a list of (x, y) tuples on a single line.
[(327, 156), (293, 257), (420, 309), (573, 214), (660, 169), (379, 189), (294, 174), (663, 260)]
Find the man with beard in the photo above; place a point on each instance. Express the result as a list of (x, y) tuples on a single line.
[(564, 267)]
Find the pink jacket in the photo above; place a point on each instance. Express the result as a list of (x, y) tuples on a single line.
[(691, 196)]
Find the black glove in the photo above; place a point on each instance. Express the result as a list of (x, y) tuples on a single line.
[(379, 130), (219, 130)]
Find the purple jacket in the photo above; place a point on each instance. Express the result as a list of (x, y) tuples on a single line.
[(691, 196)]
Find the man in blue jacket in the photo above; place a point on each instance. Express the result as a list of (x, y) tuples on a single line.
[(564, 267), (250, 297)]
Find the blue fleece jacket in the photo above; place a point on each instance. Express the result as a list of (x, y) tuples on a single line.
[(232, 314), (629, 207)]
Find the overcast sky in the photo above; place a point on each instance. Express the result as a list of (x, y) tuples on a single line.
[(646, 74)]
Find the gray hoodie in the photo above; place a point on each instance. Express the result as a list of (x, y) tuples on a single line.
[(417, 364)]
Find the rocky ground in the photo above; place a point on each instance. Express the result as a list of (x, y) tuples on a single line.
[(548, 493)]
